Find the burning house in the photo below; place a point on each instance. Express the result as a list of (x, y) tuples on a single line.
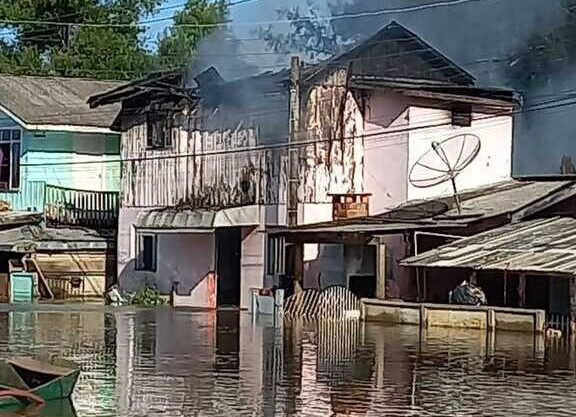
[(210, 165)]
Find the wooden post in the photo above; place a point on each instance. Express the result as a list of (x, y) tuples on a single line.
[(298, 267), (381, 270), (294, 129), (522, 290), (572, 305)]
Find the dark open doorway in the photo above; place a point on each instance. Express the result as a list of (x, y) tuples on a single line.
[(229, 248)]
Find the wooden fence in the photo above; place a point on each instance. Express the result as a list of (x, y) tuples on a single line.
[(67, 206)]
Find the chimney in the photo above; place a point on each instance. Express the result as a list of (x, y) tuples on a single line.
[(350, 206)]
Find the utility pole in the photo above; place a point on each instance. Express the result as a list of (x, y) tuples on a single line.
[(294, 170), (294, 130)]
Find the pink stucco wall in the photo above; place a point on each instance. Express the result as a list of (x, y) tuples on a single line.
[(183, 257)]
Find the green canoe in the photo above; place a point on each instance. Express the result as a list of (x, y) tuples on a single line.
[(47, 378)]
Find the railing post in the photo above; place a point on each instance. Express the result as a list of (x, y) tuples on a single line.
[(79, 207)]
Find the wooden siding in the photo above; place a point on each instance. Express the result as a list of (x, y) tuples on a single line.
[(201, 169), (30, 197), (62, 269), (220, 168)]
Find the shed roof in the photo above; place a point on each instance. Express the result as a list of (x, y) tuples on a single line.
[(539, 246), (56, 103), (516, 198), (37, 238)]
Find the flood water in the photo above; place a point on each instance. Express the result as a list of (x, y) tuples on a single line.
[(171, 363)]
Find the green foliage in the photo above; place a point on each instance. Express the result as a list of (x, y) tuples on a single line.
[(147, 297), (178, 43), (308, 34), (103, 38)]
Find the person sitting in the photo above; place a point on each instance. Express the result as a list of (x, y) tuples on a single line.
[(467, 294)]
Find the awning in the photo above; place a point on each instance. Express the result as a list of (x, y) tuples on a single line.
[(185, 220), (539, 246)]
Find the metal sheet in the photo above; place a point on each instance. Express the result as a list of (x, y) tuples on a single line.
[(184, 219), (542, 246)]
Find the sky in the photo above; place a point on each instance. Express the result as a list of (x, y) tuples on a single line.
[(243, 16)]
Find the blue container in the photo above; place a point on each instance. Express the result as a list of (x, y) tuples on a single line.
[(21, 287)]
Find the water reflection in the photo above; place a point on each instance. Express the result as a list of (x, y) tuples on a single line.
[(175, 363), (63, 408)]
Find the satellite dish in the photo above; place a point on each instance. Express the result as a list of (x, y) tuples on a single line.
[(444, 162)]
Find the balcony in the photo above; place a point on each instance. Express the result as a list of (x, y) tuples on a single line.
[(70, 207)]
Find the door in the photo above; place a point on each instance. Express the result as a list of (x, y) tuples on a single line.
[(228, 252)]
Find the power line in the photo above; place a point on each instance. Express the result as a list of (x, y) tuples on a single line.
[(281, 145), (226, 23)]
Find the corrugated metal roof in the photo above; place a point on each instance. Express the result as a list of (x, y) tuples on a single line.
[(56, 100), (176, 219), (542, 245), (508, 197), (182, 219), (12, 218), (32, 238)]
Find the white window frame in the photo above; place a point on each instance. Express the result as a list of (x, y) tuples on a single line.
[(140, 264)]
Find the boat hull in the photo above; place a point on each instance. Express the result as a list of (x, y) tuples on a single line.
[(50, 379)]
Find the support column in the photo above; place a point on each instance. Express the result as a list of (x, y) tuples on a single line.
[(572, 305), (522, 290), (381, 270), (293, 151), (298, 267)]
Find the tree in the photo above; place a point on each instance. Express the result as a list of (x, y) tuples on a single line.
[(308, 34), (179, 42), (95, 38)]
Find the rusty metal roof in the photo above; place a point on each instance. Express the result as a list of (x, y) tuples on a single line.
[(540, 246)]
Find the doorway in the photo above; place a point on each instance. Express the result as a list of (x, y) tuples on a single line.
[(228, 257)]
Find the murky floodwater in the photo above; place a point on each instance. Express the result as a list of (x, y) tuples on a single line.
[(168, 363)]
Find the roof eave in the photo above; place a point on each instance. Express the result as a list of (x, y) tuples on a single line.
[(55, 127)]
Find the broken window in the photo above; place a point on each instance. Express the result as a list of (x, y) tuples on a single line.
[(159, 131), (10, 159), (462, 115), (275, 258), (146, 250)]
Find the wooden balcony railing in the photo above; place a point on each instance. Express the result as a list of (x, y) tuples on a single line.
[(94, 209)]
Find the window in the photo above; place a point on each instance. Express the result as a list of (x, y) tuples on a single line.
[(275, 255), (10, 159), (159, 131), (462, 115), (146, 251)]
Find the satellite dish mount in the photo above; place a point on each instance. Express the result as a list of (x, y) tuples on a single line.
[(444, 162)]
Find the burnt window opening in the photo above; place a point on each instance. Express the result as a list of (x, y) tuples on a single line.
[(462, 116), (146, 251), (159, 131), (275, 255)]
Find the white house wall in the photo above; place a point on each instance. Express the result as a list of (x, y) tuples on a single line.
[(493, 164), (252, 262), (386, 153)]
